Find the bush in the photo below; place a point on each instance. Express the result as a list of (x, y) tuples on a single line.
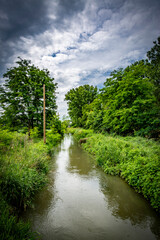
[(52, 139), (6, 138), (34, 133), (80, 133)]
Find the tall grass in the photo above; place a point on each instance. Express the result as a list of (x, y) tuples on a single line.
[(10, 227), (135, 159), (24, 164), (23, 170)]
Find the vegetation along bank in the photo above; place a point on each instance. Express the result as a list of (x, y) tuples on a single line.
[(135, 159), (24, 165)]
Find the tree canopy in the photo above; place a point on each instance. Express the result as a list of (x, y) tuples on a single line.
[(129, 101), (22, 96), (77, 98), (154, 58)]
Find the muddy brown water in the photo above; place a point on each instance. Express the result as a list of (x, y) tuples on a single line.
[(81, 202)]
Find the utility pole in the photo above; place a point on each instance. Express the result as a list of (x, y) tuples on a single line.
[(44, 116)]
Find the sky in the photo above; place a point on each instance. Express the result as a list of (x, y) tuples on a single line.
[(78, 41)]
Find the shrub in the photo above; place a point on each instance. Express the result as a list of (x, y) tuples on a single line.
[(5, 139), (80, 133), (34, 133), (52, 139)]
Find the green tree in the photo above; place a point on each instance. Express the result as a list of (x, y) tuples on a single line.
[(76, 99), (22, 96), (129, 101), (93, 114), (154, 70)]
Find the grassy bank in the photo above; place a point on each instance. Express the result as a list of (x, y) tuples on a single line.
[(24, 164), (135, 159)]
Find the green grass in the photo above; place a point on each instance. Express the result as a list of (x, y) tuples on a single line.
[(10, 227), (24, 165), (23, 170), (135, 159)]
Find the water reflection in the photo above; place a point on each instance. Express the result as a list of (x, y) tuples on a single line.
[(81, 202), (125, 204), (79, 163)]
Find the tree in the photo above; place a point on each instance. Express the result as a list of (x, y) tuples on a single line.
[(76, 99), (22, 96), (154, 70), (93, 114), (129, 101)]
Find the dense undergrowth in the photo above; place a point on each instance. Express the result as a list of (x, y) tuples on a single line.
[(24, 164), (10, 227), (135, 159)]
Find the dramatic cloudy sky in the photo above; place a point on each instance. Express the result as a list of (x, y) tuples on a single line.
[(78, 41)]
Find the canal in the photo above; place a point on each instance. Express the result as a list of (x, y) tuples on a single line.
[(82, 203)]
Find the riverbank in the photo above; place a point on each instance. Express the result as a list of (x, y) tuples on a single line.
[(134, 159), (24, 165)]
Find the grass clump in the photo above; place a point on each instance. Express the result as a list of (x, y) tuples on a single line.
[(135, 159)]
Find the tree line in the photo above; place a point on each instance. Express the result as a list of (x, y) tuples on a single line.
[(128, 104)]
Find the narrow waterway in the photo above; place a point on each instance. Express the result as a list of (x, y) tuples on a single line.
[(82, 202)]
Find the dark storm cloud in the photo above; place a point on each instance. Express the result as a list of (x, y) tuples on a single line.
[(64, 11), (20, 18), (69, 8)]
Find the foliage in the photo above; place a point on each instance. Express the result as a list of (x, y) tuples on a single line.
[(55, 133), (66, 122), (80, 133), (10, 227), (23, 168), (76, 99), (52, 138), (93, 114), (34, 133), (133, 158), (22, 96), (154, 70), (56, 126), (129, 102), (5, 139), (24, 164)]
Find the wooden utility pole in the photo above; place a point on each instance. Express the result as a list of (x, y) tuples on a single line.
[(44, 115)]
